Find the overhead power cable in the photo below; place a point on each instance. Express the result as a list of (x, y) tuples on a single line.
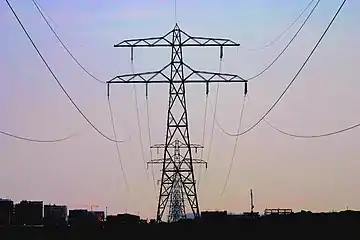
[(139, 126), (117, 147), (283, 32), (150, 141), (35, 140), (63, 44), (214, 116), (287, 45), (292, 81), (313, 136), (212, 126), (47, 15), (235, 147), (55, 77), (203, 139), (310, 136)]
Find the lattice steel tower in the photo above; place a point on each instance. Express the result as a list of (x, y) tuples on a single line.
[(175, 187), (177, 73)]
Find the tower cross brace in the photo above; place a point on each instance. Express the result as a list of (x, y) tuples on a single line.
[(175, 187), (179, 171)]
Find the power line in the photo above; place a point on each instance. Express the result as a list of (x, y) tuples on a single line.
[(138, 121), (214, 116), (213, 123), (283, 32), (292, 81), (150, 141), (41, 11), (235, 146), (310, 136), (117, 147), (313, 136), (55, 77), (35, 140), (204, 127), (287, 45), (47, 15), (37, 5), (203, 139)]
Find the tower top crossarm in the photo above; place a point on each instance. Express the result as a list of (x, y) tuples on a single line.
[(186, 41)]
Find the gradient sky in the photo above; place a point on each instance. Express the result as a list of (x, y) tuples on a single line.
[(312, 174)]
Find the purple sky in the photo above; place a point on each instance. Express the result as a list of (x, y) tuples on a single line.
[(314, 174)]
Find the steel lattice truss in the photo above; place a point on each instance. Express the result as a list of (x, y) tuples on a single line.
[(177, 178), (177, 203), (180, 170)]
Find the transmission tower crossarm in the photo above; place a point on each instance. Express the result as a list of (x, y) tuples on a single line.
[(192, 76), (180, 145), (142, 77), (191, 41), (161, 160), (147, 42), (202, 76), (186, 41), (198, 76), (206, 76)]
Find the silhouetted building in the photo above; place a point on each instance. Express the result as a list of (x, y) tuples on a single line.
[(81, 217), (278, 211), (98, 215), (213, 215), (29, 213), (55, 215), (6, 211), (78, 217), (113, 220), (251, 214)]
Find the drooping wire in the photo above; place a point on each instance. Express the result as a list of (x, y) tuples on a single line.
[(35, 140), (292, 81), (63, 44), (203, 138), (204, 127), (283, 32), (117, 146), (47, 15), (235, 147), (55, 77), (310, 136), (313, 136), (214, 116), (213, 122), (150, 141), (287, 45), (138, 119)]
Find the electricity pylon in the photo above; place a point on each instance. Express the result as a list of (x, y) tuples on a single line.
[(177, 73), (176, 191), (177, 201)]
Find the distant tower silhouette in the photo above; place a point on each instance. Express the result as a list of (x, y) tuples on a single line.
[(177, 203), (176, 191)]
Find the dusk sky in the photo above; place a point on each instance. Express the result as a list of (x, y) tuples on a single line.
[(319, 174)]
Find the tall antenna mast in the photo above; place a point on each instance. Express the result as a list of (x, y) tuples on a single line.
[(251, 202)]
